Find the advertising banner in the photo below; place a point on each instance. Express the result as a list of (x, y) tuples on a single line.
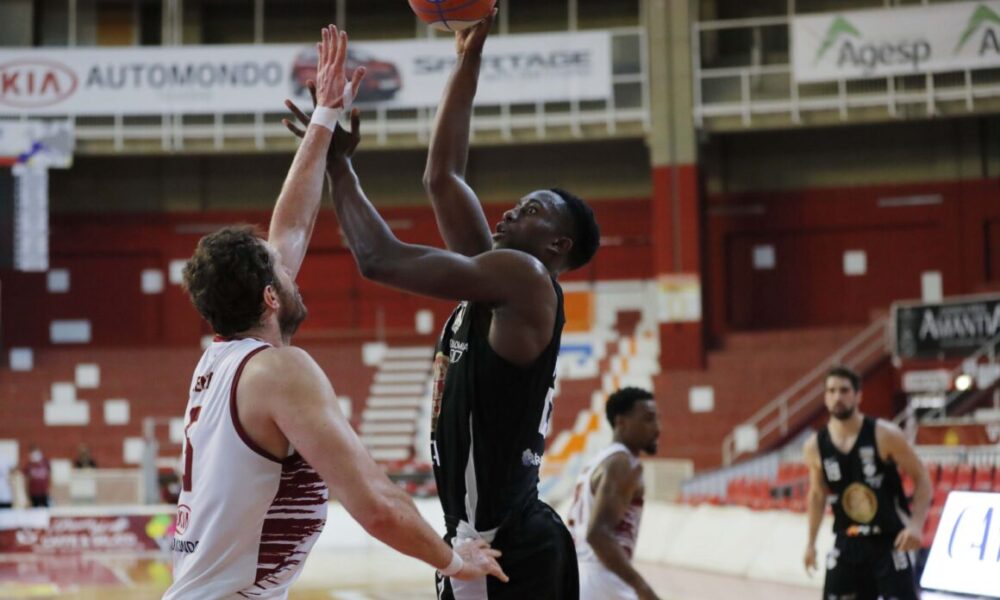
[(552, 67), (98, 534), (963, 557), (945, 330), (898, 41)]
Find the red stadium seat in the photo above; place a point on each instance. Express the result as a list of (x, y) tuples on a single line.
[(946, 481), (983, 480), (963, 477)]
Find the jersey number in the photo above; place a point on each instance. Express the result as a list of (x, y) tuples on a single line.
[(189, 449)]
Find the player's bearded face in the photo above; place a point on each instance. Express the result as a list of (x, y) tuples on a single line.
[(292, 311)]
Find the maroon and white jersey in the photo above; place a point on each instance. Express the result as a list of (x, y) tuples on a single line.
[(245, 519), (597, 582)]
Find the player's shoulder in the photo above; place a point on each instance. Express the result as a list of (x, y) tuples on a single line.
[(279, 366), (811, 446), (517, 261), (887, 431)]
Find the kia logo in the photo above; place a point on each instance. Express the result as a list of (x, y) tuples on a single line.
[(35, 83)]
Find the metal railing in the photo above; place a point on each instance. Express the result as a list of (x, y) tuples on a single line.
[(625, 113), (766, 90), (969, 366), (773, 420)]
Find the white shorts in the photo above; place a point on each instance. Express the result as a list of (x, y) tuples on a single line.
[(599, 583)]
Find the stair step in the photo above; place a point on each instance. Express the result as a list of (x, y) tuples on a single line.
[(384, 414), (398, 389), (402, 377), (411, 352), (369, 427), (395, 402), (387, 454), (419, 366), (382, 441)]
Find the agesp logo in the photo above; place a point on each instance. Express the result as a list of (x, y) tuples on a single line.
[(986, 19), (855, 51), (35, 83)]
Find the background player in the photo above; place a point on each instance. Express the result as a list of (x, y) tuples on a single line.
[(854, 461), (264, 432), (607, 502)]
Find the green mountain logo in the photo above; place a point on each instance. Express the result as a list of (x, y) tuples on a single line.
[(982, 15), (839, 27)]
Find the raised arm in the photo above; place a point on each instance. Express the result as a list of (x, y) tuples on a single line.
[(298, 203), (499, 277), (615, 488), (301, 403), (892, 442), (815, 500), (460, 216)]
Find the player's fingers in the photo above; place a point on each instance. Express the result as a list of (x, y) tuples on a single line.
[(356, 78), (497, 572), (312, 90), (295, 130), (356, 123), (301, 116), (341, 57)]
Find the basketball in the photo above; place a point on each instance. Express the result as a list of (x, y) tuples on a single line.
[(452, 15)]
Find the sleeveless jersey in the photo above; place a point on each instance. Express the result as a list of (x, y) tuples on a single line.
[(489, 420), (245, 520), (866, 492), (626, 530)]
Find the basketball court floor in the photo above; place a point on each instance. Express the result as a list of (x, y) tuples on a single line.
[(327, 576)]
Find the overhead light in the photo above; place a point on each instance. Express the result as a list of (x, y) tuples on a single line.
[(963, 382)]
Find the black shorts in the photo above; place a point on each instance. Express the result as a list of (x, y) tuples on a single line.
[(868, 568), (538, 556)]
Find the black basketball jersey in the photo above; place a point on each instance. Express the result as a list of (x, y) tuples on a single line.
[(867, 493), (489, 419)]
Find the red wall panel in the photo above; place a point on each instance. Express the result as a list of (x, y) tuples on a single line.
[(904, 230), (106, 253)]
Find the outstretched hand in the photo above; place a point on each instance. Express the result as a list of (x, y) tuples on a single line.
[(478, 560), (344, 143), (471, 40), (331, 75)]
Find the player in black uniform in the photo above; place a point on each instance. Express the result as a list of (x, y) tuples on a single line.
[(495, 364), (853, 461)]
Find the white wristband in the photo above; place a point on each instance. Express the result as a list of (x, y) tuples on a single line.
[(325, 117), (454, 566)]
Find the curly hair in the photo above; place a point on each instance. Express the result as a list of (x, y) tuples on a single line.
[(226, 277), (622, 401)]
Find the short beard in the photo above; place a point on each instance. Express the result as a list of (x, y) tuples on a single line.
[(843, 415), (291, 314)]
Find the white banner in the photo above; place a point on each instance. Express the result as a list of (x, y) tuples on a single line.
[(551, 67), (897, 41), (965, 554)]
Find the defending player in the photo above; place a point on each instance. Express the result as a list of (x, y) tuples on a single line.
[(264, 435)]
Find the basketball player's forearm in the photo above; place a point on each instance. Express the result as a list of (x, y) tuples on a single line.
[(368, 235), (921, 503), (610, 553), (402, 528), (298, 203), (816, 504), (449, 148)]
